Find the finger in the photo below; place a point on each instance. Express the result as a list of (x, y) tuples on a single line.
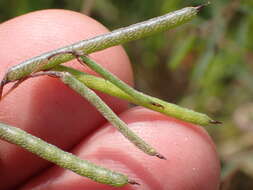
[(191, 164), (43, 106)]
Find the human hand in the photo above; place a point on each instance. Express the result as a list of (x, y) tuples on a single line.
[(48, 109)]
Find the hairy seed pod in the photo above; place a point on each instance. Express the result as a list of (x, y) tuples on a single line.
[(63, 159), (116, 37)]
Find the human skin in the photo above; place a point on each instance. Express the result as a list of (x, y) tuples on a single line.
[(48, 109)]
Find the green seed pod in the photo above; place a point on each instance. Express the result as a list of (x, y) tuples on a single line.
[(63, 159)]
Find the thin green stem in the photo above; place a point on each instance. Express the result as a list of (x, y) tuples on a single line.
[(85, 60)]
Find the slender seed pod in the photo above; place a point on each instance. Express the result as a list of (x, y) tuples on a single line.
[(149, 101), (167, 108), (106, 111), (63, 159), (116, 37)]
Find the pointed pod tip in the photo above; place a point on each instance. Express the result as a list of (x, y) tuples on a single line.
[(203, 5), (160, 156), (2, 84), (1, 93), (215, 122), (132, 182)]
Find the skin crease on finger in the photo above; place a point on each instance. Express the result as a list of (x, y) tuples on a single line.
[(44, 106), (192, 162)]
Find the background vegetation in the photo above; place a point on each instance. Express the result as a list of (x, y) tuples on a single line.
[(205, 65)]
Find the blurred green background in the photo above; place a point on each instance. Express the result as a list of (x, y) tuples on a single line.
[(205, 65)]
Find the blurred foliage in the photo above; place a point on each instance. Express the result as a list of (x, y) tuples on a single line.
[(205, 65)]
